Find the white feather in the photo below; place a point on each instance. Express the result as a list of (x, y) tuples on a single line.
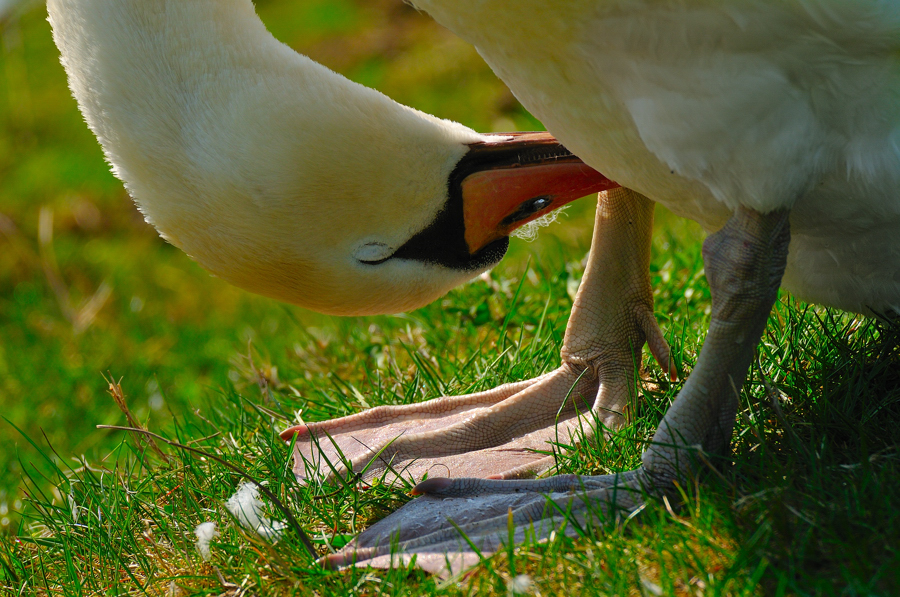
[(247, 508), (205, 532)]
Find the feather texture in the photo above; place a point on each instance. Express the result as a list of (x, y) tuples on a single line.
[(705, 105), (267, 168)]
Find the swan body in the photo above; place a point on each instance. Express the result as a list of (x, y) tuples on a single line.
[(773, 123), (705, 106), (268, 169)]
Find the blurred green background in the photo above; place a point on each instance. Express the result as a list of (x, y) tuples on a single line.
[(88, 289)]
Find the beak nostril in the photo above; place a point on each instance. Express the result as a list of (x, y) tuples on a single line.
[(528, 209)]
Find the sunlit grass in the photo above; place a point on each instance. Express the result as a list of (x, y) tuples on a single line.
[(808, 508)]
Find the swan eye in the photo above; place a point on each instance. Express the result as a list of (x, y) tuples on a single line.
[(373, 253), (529, 208)]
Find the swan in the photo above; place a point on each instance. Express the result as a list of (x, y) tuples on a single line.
[(774, 124), (283, 178)]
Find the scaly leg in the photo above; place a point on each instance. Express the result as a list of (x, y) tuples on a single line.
[(744, 264), (508, 432)]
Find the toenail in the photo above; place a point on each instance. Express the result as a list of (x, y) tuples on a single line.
[(436, 485)]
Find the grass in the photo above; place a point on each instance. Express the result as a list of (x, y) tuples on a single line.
[(87, 290)]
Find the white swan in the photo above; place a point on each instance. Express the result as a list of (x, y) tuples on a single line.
[(773, 123), (286, 179)]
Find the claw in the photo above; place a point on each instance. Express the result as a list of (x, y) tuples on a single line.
[(659, 348), (297, 430), (430, 486)]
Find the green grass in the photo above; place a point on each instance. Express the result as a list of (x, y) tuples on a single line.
[(810, 506)]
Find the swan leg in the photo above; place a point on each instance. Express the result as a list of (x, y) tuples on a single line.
[(744, 264), (513, 430)]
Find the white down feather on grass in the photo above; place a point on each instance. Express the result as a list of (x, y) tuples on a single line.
[(247, 508), (205, 532)]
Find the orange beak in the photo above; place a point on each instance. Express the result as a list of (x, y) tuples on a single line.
[(516, 180)]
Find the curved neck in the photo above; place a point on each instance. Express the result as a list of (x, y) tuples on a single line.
[(219, 132), (173, 90)]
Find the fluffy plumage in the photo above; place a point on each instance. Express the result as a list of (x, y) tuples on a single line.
[(706, 105), (268, 169)]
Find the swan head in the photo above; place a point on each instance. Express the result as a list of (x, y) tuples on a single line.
[(286, 179), (368, 232)]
